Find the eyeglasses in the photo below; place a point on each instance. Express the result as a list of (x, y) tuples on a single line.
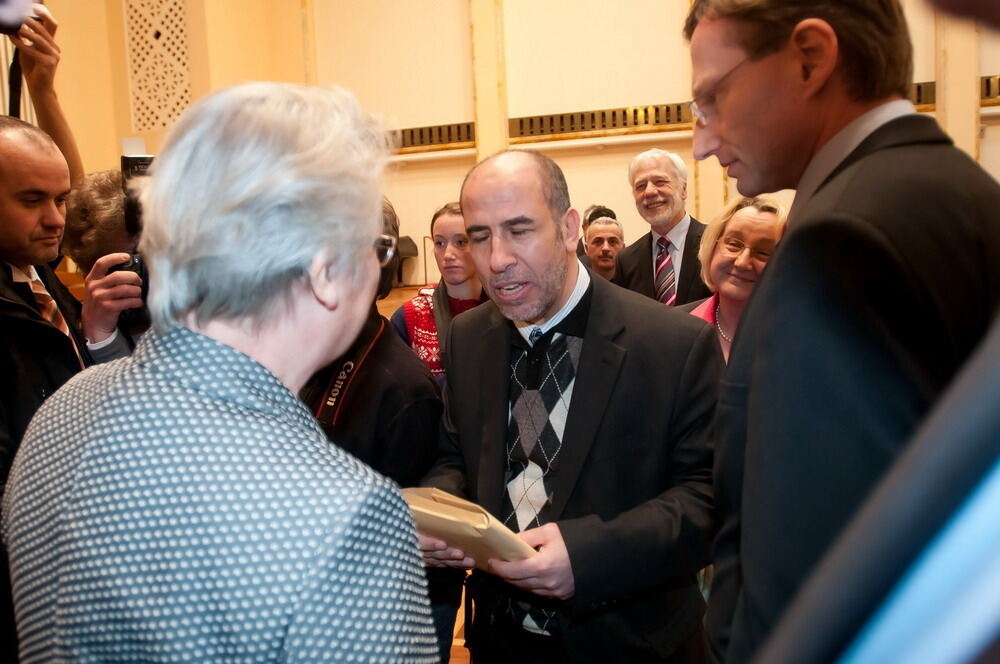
[(734, 248), (702, 112), (385, 249)]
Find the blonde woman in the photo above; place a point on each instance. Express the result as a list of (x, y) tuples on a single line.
[(734, 250)]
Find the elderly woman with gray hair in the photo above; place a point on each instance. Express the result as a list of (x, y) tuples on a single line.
[(182, 504), (734, 250)]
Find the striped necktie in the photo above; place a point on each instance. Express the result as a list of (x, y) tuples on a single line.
[(666, 291), (49, 310)]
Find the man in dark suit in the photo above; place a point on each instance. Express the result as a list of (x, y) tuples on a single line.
[(885, 281), (575, 412), (662, 264), (42, 338)]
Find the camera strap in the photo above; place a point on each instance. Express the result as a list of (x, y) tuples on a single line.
[(14, 86), (348, 366)]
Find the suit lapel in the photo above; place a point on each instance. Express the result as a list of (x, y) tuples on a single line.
[(600, 364), (690, 267), (645, 266), (494, 362)]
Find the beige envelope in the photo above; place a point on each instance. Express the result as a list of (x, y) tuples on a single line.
[(465, 525)]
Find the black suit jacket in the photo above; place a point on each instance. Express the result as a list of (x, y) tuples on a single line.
[(35, 360), (634, 267), (884, 283), (632, 494), (955, 450), (35, 357)]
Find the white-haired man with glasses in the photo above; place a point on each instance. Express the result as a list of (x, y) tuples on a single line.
[(662, 264), (182, 504)]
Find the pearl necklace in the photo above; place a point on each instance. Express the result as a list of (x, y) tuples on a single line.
[(718, 324)]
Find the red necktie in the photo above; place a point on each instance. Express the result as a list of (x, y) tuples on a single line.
[(665, 281), (49, 310)]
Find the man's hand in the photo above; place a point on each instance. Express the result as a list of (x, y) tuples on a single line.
[(107, 296), (549, 573), (437, 553), (39, 51)]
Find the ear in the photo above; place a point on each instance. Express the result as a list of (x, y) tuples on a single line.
[(816, 48), (326, 288), (684, 191), (571, 228)]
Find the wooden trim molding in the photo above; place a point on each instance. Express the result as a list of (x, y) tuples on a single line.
[(616, 122)]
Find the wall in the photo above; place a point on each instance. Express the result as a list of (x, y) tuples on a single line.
[(578, 55), (410, 60), (407, 59), (84, 82)]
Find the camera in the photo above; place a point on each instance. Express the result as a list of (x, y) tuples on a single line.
[(134, 320), (13, 14), (137, 265)]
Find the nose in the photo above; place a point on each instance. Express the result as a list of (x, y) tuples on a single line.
[(705, 142), (743, 260), (500, 256), (53, 216)]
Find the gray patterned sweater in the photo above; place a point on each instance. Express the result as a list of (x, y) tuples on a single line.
[(181, 505)]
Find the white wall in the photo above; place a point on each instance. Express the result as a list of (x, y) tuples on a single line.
[(579, 55), (417, 187), (407, 59)]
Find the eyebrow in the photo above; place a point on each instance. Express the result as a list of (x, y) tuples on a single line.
[(41, 192), (506, 224)]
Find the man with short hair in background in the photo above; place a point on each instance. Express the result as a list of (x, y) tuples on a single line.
[(575, 412), (605, 238), (662, 264), (885, 280)]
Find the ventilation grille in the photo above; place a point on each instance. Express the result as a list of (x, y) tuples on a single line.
[(450, 137), (159, 69), (989, 90), (633, 118), (923, 94)]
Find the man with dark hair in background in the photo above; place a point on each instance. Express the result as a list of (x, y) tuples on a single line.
[(591, 213), (884, 282), (604, 239), (544, 385)]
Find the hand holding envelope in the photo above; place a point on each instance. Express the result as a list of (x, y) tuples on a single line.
[(457, 533)]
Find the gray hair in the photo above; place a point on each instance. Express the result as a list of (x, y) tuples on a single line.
[(253, 183), (674, 159), (607, 221)]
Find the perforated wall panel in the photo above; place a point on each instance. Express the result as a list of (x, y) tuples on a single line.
[(159, 65)]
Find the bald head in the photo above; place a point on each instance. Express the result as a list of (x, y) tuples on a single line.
[(522, 233), (9, 125), (34, 184), (550, 176)]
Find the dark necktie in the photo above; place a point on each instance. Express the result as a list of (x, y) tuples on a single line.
[(666, 291)]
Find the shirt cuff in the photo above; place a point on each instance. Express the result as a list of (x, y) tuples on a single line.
[(98, 345)]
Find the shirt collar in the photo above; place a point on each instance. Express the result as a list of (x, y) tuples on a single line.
[(216, 369), (582, 283), (838, 148), (677, 234), (18, 275)]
